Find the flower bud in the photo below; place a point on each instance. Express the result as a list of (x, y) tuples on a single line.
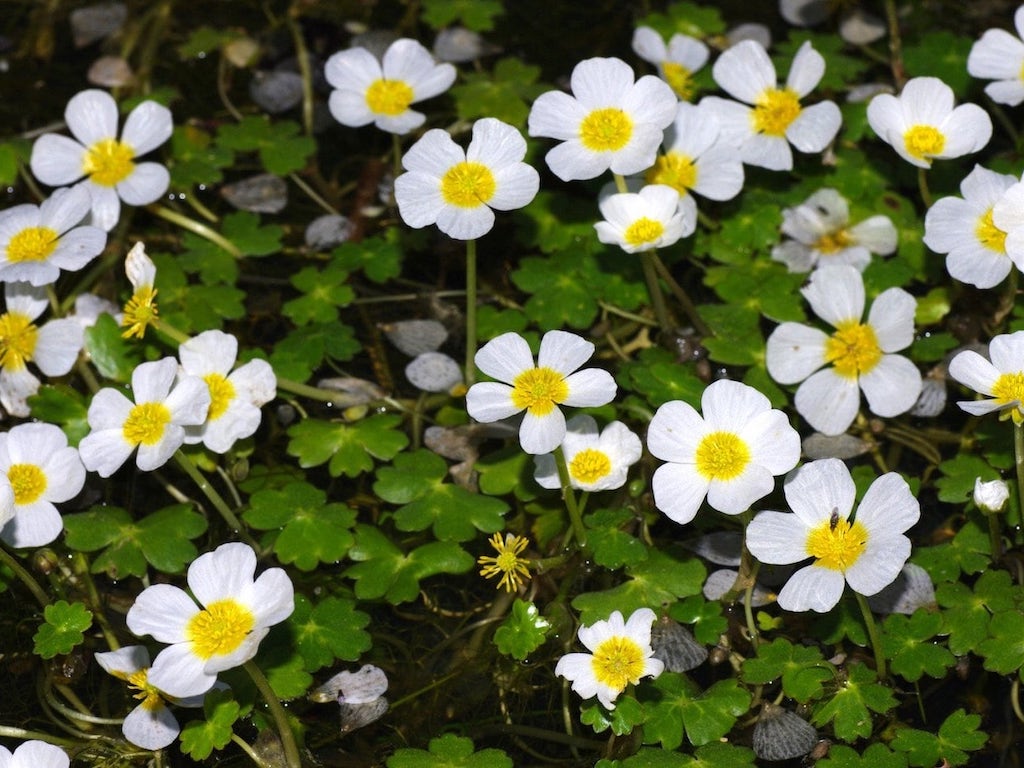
[(991, 496)]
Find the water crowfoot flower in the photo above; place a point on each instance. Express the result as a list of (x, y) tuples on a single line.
[(859, 354), (141, 311), (507, 563), (457, 189), (537, 388), (37, 242), (1002, 379), (596, 461), (921, 123), (620, 655), (999, 56), (34, 754), (729, 455), (990, 496), (155, 423), (108, 162), (234, 613), (654, 217), (866, 550), (774, 118), (610, 121), (677, 62), (380, 92)]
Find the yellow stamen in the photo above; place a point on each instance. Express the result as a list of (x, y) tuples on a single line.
[(513, 569), (108, 162), (923, 141), (17, 340), (679, 79), (853, 349), (837, 543), (28, 482), (220, 629), (146, 423), (140, 312), (222, 392), (468, 185), (589, 466), (643, 231), (389, 97), (32, 244), (1009, 390), (539, 390), (722, 456), (606, 130), (617, 662), (675, 170), (774, 110), (989, 235)]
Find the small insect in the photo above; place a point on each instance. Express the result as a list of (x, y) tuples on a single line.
[(359, 694), (834, 520)]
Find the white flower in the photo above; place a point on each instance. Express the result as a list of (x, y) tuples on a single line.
[(729, 455), (620, 655), (1008, 217), (457, 189), (155, 423), (151, 725), (866, 550), (34, 754), (999, 56), (776, 118), (1002, 379), (234, 613), (140, 312), (53, 347), (42, 469), (596, 462), (991, 496), (677, 62), (380, 92), (820, 232), (858, 353), (235, 396), (537, 388), (654, 217), (37, 242), (610, 121), (965, 230), (697, 158), (109, 163), (921, 123)]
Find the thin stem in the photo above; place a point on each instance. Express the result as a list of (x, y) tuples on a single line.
[(876, 642), (25, 577), (196, 204), (81, 568), (215, 498), (1018, 460), (654, 291), (195, 227), (620, 183), (570, 499), (470, 311), (682, 297), (922, 186), (748, 598), (307, 75), (180, 337), (312, 194), (11, 732), (1015, 698), (247, 748), (284, 730), (899, 75)]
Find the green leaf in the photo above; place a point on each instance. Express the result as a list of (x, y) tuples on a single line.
[(324, 291), (9, 157), (940, 53), (196, 159), (969, 551), (843, 621), (379, 258), (623, 718), (957, 736), (303, 350), (802, 669), (905, 642), (850, 706), (416, 480), (244, 230), (706, 716), (200, 737), (659, 377), (114, 356), (763, 285), (1003, 651), (477, 15), (686, 18), (203, 40), (349, 448), (875, 756), (280, 147), (509, 470), (737, 336), (704, 616), (310, 531), (966, 613), (63, 628), (331, 630), (449, 751), (752, 230), (506, 93), (522, 632), (61, 405), (611, 546), (958, 475)]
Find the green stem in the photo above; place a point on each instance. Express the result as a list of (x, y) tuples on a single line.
[(1018, 460), (284, 730), (25, 577), (654, 291), (470, 311), (179, 337), (876, 642), (247, 748), (899, 75), (195, 227), (922, 186), (307, 75), (620, 183), (11, 732), (570, 499), (215, 498), (748, 598), (681, 296), (312, 194)]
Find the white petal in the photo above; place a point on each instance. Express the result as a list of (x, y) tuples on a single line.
[(817, 489), (179, 672), (836, 294), (150, 728), (828, 402), (744, 71), (505, 357), (57, 346), (563, 352), (815, 127), (542, 434), (490, 401), (163, 612), (678, 491), (91, 116), (148, 126), (145, 184), (892, 318), (812, 589), (777, 538), (892, 386), (794, 351), (806, 71)]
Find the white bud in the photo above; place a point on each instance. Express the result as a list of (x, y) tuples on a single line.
[(991, 496)]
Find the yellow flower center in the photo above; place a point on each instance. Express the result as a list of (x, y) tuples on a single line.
[(923, 141), (32, 244), (606, 130), (28, 482), (468, 185), (679, 79), (108, 162), (17, 340), (513, 570), (1009, 390), (774, 110), (146, 423), (643, 231), (140, 312), (617, 662), (836, 544), (220, 629), (539, 390), (853, 349), (589, 466), (222, 392), (149, 695), (389, 97), (722, 456), (834, 242), (674, 169), (989, 235)]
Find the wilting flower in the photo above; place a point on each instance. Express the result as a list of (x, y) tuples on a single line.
[(108, 163), (866, 550), (1002, 379), (155, 423), (677, 62), (234, 613), (858, 354), (140, 312), (53, 347), (620, 654), (775, 118), (921, 124), (43, 470), (457, 189), (654, 217), (999, 56), (537, 388), (380, 92), (965, 230), (730, 455), (34, 754), (610, 121), (991, 496), (38, 241), (597, 461), (512, 568)]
